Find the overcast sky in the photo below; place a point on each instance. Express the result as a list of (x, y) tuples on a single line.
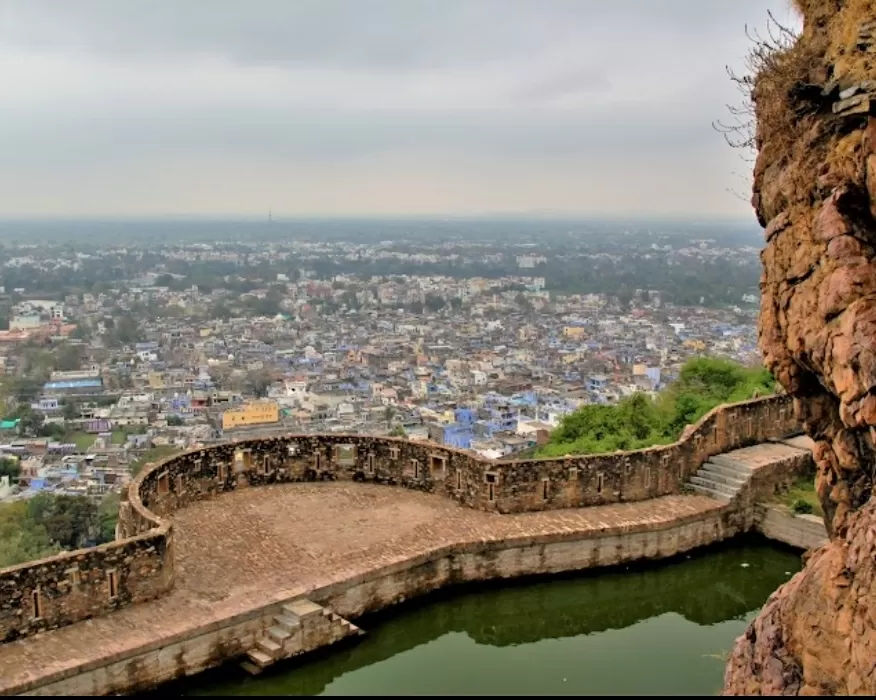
[(232, 107)]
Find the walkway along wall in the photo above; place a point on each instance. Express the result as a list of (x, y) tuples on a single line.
[(78, 585)]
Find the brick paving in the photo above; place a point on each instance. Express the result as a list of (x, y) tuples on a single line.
[(251, 547)]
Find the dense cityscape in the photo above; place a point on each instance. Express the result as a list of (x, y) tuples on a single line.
[(115, 354)]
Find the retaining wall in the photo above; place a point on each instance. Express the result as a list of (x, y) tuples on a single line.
[(800, 531)]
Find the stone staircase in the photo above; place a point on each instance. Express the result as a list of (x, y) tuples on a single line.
[(721, 477), (300, 626)]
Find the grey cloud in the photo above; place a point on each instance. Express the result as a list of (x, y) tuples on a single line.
[(553, 87), (504, 136), (537, 103), (398, 34)]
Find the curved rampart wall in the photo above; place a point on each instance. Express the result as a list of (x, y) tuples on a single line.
[(139, 565)]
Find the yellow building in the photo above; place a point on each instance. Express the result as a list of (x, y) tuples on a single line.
[(254, 413), (156, 380), (575, 332), (697, 345)]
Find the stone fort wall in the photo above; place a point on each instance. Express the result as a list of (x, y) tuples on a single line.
[(139, 565)]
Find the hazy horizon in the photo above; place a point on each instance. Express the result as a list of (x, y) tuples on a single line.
[(339, 109), (747, 220)]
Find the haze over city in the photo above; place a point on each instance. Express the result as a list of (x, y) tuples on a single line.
[(128, 109)]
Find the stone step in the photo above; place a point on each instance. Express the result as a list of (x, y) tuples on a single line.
[(709, 492), (260, 658), (332, 616), (715, 486), (720, 477), (302, 608), (288, 623), (726, 471), (351, 628), (251, 668), (278, 634), (730, 463), (269, 646)]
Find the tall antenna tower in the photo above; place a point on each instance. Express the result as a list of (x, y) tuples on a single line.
[(270, 216)]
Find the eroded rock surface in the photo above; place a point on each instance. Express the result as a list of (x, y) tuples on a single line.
[(815, 195)]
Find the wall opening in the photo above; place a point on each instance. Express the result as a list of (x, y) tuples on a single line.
[(292, 450), (394, 452), (222, 472), (545, 485), (370, 463), (113, 583), (647, 477), (179, 484), (264, 465), (345, 455), (196, 465), (459, 479), (36, 603), (573, 473), (74, 576), (247, 459), (415, 467), (437, 465), (491, 491), (599, 482), (317, 460), (163, 484)]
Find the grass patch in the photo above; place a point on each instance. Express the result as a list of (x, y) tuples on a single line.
[(802, 490), (153, 455), (81, 439)]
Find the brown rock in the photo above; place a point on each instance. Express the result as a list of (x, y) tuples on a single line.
[(870, 174), (777, 225), (815, 182), (844, 285), (844, 247), (830, 223)]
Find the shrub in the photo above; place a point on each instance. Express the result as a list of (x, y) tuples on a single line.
[(801, 507)]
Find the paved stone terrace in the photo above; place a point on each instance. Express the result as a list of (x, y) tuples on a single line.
[(758, 456), (249, 548)]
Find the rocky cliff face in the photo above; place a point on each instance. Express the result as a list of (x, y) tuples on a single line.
[(815, 195)]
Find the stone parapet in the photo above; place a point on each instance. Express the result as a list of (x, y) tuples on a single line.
[(43, 595)]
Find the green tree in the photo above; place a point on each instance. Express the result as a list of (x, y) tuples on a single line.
[(638, 421), (434, 302), (21, 539), (10, 467), (67, 358), (31, 422), (70, 521), (108, 516), (52, 430), (127, 330), (70, 410)]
